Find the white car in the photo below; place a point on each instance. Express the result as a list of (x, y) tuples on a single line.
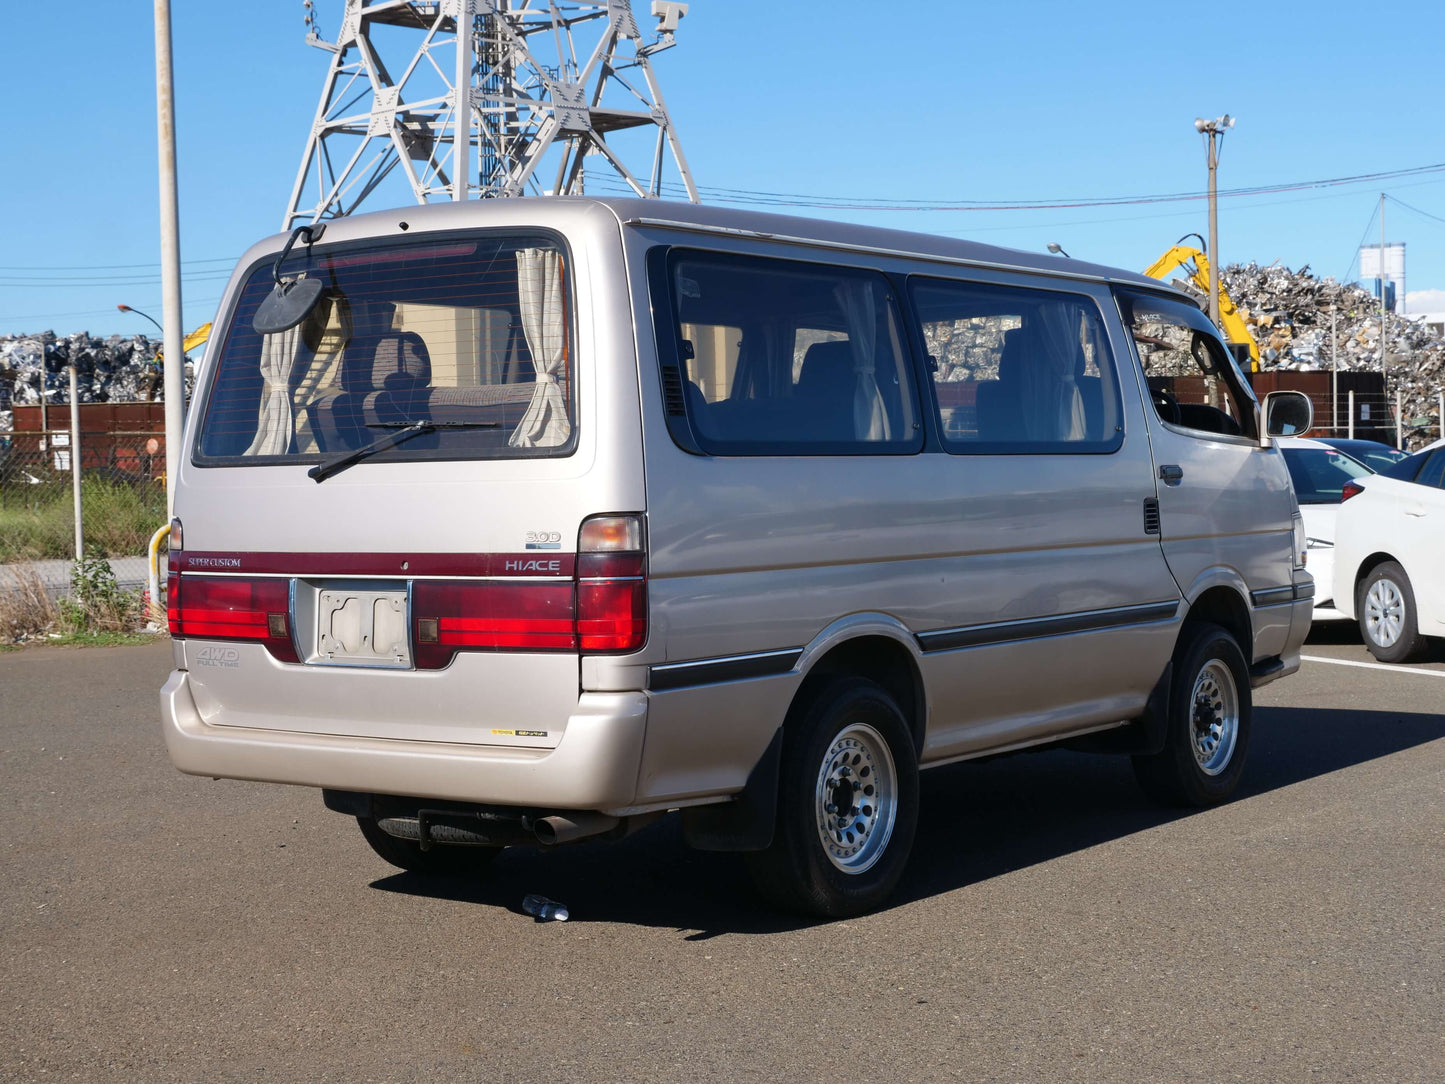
[(1320, 473), (1390, 556)]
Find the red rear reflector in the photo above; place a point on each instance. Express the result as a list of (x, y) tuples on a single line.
[(448, 616), (1352, 489), (232, 608)]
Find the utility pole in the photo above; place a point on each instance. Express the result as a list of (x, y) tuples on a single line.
[(1384, 282), (1334, 376), (1213, 131), (174, 335)]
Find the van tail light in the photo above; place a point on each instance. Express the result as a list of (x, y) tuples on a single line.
[(1352, 489), (233, 608), (603, 610), (448, 616), (611, 585)]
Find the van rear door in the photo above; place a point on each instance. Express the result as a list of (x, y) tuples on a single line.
[(381, 515)]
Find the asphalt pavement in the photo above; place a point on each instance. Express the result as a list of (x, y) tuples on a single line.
[(1052, 926)]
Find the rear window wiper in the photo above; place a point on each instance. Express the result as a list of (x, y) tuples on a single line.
[(403, 431)]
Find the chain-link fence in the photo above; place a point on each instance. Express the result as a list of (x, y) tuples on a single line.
[(122, 481)]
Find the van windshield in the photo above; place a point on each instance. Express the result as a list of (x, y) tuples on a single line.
[(471, 334)]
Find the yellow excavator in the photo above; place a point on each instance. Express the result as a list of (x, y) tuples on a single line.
[(193, 340), (1181, 255)]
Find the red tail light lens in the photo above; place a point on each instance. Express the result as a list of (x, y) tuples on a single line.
[(233, 608), (611, 585), (448, 616), (1352, 489), (611, 602)]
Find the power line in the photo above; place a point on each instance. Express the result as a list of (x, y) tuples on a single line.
[(1346, 276), (853, 203), (1408, 207), (113, 266)]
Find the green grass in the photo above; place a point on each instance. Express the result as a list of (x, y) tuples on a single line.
[(118, 520), (90, 639)]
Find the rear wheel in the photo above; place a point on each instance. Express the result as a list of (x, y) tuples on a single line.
[(438, 861), (847, 805), (1385, 602), (1207, 731)]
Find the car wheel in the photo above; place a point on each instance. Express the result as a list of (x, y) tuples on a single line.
[(1385, 602), (847, 804), (438, 861), (1208, 724)]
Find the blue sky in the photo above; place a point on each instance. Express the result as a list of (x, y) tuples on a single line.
[(877, 102)]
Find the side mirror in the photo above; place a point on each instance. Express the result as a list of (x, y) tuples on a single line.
[(1288, 413)]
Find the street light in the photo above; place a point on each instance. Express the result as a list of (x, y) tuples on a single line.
[(152, 319), (1058, 250), (1214, 131)]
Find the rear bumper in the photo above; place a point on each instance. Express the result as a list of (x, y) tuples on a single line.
[(594, 767)]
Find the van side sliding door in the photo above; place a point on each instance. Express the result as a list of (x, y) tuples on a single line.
[(1054, 609)]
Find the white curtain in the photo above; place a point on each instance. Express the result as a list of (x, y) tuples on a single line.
[(870, 420), (544, 323), (273, 426), (1053, 406)]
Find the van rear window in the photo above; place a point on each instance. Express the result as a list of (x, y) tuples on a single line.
[(472, 334)]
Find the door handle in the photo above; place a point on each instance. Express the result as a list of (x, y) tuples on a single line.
[(1171, 474)]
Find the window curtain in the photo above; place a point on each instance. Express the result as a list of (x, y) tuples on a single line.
[(856, 298), (1053, 406), (279, 352), (544, 323)]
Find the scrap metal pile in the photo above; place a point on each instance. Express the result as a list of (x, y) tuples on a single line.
[(1289, 312), (107, 370)]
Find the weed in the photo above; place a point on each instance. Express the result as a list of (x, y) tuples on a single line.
[(97, 602), (26, 610)]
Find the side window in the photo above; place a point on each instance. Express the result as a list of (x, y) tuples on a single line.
[(1018, 370), (1433, 472), (777, 356), (1193, 381)]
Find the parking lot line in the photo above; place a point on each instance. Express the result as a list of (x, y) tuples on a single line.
[(1373, 665)]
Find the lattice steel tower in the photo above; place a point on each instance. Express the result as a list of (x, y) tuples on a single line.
[(469, 97)]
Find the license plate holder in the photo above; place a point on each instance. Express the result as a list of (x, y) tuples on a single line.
[(362, 626)]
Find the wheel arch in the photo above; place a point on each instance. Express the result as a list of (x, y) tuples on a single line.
[(1224, 606), (1368, 565), (872, 646)]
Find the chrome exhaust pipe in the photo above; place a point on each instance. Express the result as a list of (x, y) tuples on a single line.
[(556, 829)]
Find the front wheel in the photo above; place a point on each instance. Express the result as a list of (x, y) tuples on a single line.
[(438, 861), (1385, 602), (1208, 726), (847, 804)]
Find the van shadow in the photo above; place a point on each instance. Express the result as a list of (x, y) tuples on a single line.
[(978, 820)]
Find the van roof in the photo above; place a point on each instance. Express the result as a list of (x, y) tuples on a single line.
[(539, 210)]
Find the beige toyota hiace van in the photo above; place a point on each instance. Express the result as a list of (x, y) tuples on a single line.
[(525, 521)]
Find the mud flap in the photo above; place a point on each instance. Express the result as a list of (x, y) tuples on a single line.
[(746, 823)]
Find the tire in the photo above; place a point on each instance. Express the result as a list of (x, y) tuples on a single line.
[(1385, 603), (439, 861), (1207, 730), (852, 744)]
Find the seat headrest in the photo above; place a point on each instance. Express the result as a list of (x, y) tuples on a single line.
[(826, 365), (1011, 359), (400, 355)]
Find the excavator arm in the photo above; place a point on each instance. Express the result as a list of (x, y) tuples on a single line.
[(1235, 329)]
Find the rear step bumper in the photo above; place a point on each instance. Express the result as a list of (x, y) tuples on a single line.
[(594, 767)]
